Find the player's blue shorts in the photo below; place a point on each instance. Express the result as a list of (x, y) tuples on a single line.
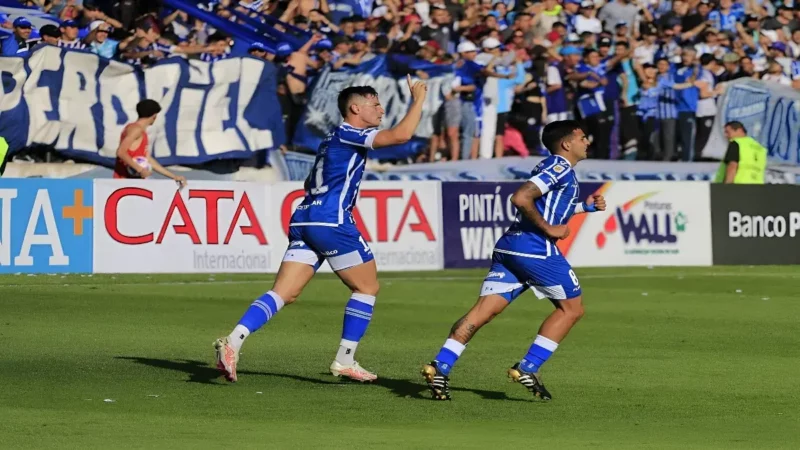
[(342, 246), (511, 275)]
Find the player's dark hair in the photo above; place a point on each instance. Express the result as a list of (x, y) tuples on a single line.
[(555, 132), (347, 95), (147, 108), (736, 125)]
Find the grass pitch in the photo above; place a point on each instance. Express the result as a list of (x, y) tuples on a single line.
[(664, 358)]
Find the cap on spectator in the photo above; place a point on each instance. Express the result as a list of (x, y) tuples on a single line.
[(570, 50), (650, 30), (93, 26), (705, 2), (433, 45), (730, 58), (604, 42), (69, 23), (439, 6), (751, 18), (411, 18), (324, 44), (50, 31), (466, 47), (283, 50), (360, 37), (779, 46), (257, 46), (573, 37), (587, 4), (491, 43), (21, 22), (573, 2), (622, 23)]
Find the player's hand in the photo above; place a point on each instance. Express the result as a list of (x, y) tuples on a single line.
[(418, 89), (557, 232), (598, 201)]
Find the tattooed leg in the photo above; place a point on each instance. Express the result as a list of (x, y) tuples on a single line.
[(482, 313)]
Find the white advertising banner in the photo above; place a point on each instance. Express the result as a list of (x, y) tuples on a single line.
[(149, 226), (401, 222), (646, 223)]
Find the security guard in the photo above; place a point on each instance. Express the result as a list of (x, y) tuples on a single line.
[(3, 155), (745, 161)]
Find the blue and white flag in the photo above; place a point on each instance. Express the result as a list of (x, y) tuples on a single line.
[(79, 103), (387, 75), (770, 113)]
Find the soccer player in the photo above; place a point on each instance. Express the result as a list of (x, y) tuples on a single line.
[(526, 257), (323, 228)]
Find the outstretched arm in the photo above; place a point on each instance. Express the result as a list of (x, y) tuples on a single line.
[(404, 130)]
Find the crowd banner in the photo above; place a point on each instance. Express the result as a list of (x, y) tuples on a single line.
[(755, 224), (45, 226), (401, 223), (770, 113), (79, 103), (144, 226), (37, 17), (387, 74)]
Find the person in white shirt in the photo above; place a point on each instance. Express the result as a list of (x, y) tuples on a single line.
[(646, 52), (587, 21), (707, 105), (775, 74)]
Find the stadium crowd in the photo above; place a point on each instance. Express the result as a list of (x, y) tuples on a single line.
[(643, 75)]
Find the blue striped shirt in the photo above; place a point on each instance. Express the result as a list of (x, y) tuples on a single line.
[(667, 100), (648, 103)]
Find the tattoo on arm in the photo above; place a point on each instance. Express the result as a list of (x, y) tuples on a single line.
[(529, 192)]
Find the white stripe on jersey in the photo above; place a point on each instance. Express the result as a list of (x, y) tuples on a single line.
[(76, 44), (546, 212), (347, 180)]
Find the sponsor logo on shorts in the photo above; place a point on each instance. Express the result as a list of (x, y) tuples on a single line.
[(296, 244), (500, 275), (331, 253)]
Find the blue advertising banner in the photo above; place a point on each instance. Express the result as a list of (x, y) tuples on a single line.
[(770, 113), (475, 215), (387, 74), (46, 226), (79, 103)]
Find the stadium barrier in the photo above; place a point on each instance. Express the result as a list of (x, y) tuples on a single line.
[(150, 226)]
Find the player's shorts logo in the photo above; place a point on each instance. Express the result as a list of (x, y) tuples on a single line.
[(297, 244), (499, 275), (331, 253)]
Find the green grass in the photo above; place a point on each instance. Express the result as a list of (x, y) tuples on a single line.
[(691, 364)]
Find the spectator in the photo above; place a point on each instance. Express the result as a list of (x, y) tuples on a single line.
[(69, 36), (99, 42), (50, 35), (618, 11), (18, 45)]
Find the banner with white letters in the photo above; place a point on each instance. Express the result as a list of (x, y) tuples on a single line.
[(79, 103)]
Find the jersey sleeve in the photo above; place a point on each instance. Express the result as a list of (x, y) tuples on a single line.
[(551, 175), (360, 138), (553, 77)]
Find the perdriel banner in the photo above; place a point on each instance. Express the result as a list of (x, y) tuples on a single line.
[(79, 103)]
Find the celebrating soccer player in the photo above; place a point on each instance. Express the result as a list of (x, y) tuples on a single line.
[(323, 228), (526, 256)]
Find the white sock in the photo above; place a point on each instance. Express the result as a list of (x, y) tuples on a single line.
[(237, 336), (347, 352)]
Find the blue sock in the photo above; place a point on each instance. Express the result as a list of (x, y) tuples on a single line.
[(448, 355), (357, 315), (540, 351), (261, 310)]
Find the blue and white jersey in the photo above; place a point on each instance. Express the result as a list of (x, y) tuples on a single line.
[(591, 100), (559, 185), (795, 70), (726, 21), (332, 186)]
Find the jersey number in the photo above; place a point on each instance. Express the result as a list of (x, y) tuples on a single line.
[(317, 187), (573, 277)]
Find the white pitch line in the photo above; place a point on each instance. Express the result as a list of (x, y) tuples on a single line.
[(423, 278)]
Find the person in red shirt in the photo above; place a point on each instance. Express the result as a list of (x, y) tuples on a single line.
[(133, 157)]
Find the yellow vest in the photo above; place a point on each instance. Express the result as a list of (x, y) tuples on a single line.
[(752, 163), (3, 154)]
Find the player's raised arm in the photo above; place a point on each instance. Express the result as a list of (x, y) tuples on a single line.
[(524, 199), (404, 130)]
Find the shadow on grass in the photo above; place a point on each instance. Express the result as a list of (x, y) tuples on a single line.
[(203, 373)]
